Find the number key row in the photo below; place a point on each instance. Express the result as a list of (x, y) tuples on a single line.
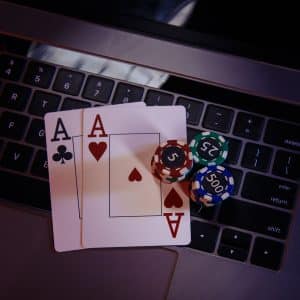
[(68, 82)]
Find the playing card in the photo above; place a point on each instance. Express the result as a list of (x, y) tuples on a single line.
[(123, 203), (63, 136), (64, 149)]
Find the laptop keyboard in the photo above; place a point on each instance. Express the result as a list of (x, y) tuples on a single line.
[(264, 155)]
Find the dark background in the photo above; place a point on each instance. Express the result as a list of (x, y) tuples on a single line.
[(268, 32)]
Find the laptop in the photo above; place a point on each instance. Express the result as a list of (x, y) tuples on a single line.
[(244, 86)]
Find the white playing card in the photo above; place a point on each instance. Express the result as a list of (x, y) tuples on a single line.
[(64, 130), (123, 203)]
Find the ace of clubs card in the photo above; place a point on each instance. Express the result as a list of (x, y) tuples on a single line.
[(123, 203)]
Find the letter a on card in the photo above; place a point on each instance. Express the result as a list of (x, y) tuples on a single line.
[(174, 224)]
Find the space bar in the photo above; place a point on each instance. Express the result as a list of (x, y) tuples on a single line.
[(25, 190)]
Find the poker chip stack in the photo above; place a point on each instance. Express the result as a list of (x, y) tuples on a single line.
[(200, 163), (209, 149), (172, 161), (212, 183)]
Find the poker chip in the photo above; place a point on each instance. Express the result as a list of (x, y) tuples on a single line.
[(209, 148), (172, 161), (165, 179), (212, 185), (155, 174), (173, 158)]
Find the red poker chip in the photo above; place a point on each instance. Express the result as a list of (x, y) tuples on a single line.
[(173, 159), (159, 176)]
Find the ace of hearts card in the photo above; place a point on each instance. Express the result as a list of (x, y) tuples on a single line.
[(123, 203)]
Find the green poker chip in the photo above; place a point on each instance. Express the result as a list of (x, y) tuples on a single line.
[(209, 148)]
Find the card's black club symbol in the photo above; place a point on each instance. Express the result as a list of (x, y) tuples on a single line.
[(62, 154)]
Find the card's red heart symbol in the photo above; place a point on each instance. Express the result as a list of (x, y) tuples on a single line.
[(97, 149), (135, 175), (173, 199)]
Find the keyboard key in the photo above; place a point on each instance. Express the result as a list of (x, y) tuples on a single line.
[(14, 45), (193, 110), (257, 157), (13, 125), (11, 67), (15, 96), (232, 252), (236, 239), (203, 212), (40, 164), (218, 118), (269, 190), (98, 89), (287, 165), (36, 133), (68, 82), (204, 236), (191, 133), (43, 102), (30, 191), (158, 98), (127, 93), (283, 135), (39, 74), (237, 176), (267, 253), (256, 218), (16, 157), (234, 149), (248, 126), (70, 103)]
